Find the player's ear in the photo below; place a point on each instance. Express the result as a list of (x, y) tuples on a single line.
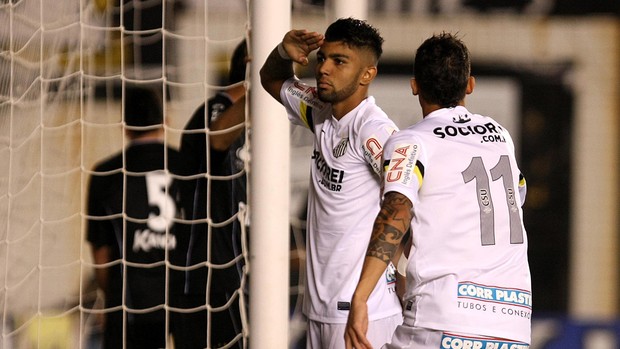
[(471, 83), (369, 75), (414, 87)]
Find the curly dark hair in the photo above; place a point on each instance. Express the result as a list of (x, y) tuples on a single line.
[(356, 33), (442, 67)]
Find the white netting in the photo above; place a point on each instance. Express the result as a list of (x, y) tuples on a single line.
[(62, 68)]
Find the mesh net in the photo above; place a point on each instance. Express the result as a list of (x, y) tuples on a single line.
[(65, 68)]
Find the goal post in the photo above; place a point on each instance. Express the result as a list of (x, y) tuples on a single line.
[(269, 187)]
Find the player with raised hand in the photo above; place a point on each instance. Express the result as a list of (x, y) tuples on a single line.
[(344, 195), (216, 151), (453, 180)]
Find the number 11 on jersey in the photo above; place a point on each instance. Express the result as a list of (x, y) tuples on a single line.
[(502, 170)]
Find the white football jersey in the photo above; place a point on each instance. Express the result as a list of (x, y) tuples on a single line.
[(343, 202), (468, 270)]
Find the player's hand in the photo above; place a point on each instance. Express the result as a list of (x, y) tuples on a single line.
[(299, 43), (357, 327)]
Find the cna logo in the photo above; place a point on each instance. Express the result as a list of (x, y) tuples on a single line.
[(341, 148), (461, 118), (402, 164), (307, 94)]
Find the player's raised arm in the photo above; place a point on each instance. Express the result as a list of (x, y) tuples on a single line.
[(230, 121), (391, 225), (295, 47)]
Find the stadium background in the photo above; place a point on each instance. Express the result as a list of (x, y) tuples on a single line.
[(549, 69)]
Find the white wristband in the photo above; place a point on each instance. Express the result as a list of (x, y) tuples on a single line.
[(402, 265), (283, 53)]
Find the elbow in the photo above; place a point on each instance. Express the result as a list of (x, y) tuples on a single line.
[(270, 83), (265, 79), (266, 82)]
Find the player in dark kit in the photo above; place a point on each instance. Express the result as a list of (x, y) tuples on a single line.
[(133, 223), (220, 194)]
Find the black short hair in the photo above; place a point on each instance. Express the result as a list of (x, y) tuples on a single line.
[(238, 63), (142, 106), (441, 68), (356, 33)]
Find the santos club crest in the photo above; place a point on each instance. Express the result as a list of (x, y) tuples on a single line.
[(341, 148)]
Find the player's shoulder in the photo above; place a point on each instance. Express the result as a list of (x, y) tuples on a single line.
[(179, 163), (111, 163), (296, 89), (371, 115), (197, 120), (406, 135)]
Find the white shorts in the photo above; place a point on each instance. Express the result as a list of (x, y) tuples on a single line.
[(407, 337), (331, 336)]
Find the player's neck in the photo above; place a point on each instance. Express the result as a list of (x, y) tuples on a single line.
[(342, 108), (429, 108)]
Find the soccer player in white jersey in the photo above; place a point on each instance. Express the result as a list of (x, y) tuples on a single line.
[(344, 195), (451, 178)]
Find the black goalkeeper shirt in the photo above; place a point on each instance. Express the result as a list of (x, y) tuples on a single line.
[(217, 198), (149, 231)]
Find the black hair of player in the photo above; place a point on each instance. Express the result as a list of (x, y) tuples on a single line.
[(142, 107), (441, 68), (238, 63), (356, 33)]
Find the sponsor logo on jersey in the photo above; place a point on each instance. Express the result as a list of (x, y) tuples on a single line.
[(341, 148), (390, 274), (490, 132), (461, 118), (305, 93), (331, 178), (403, 165), (493, 294), (373, 150), (145, 240), (452, 341)]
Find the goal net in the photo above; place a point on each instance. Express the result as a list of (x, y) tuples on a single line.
[(64, 69)]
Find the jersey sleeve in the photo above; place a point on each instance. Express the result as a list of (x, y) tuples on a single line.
[(373, 135), (301, 102), (403, 166)]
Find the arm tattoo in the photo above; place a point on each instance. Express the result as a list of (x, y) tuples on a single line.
[(391, 225)]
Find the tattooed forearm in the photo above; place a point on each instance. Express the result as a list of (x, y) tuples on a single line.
[(391, 224)]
